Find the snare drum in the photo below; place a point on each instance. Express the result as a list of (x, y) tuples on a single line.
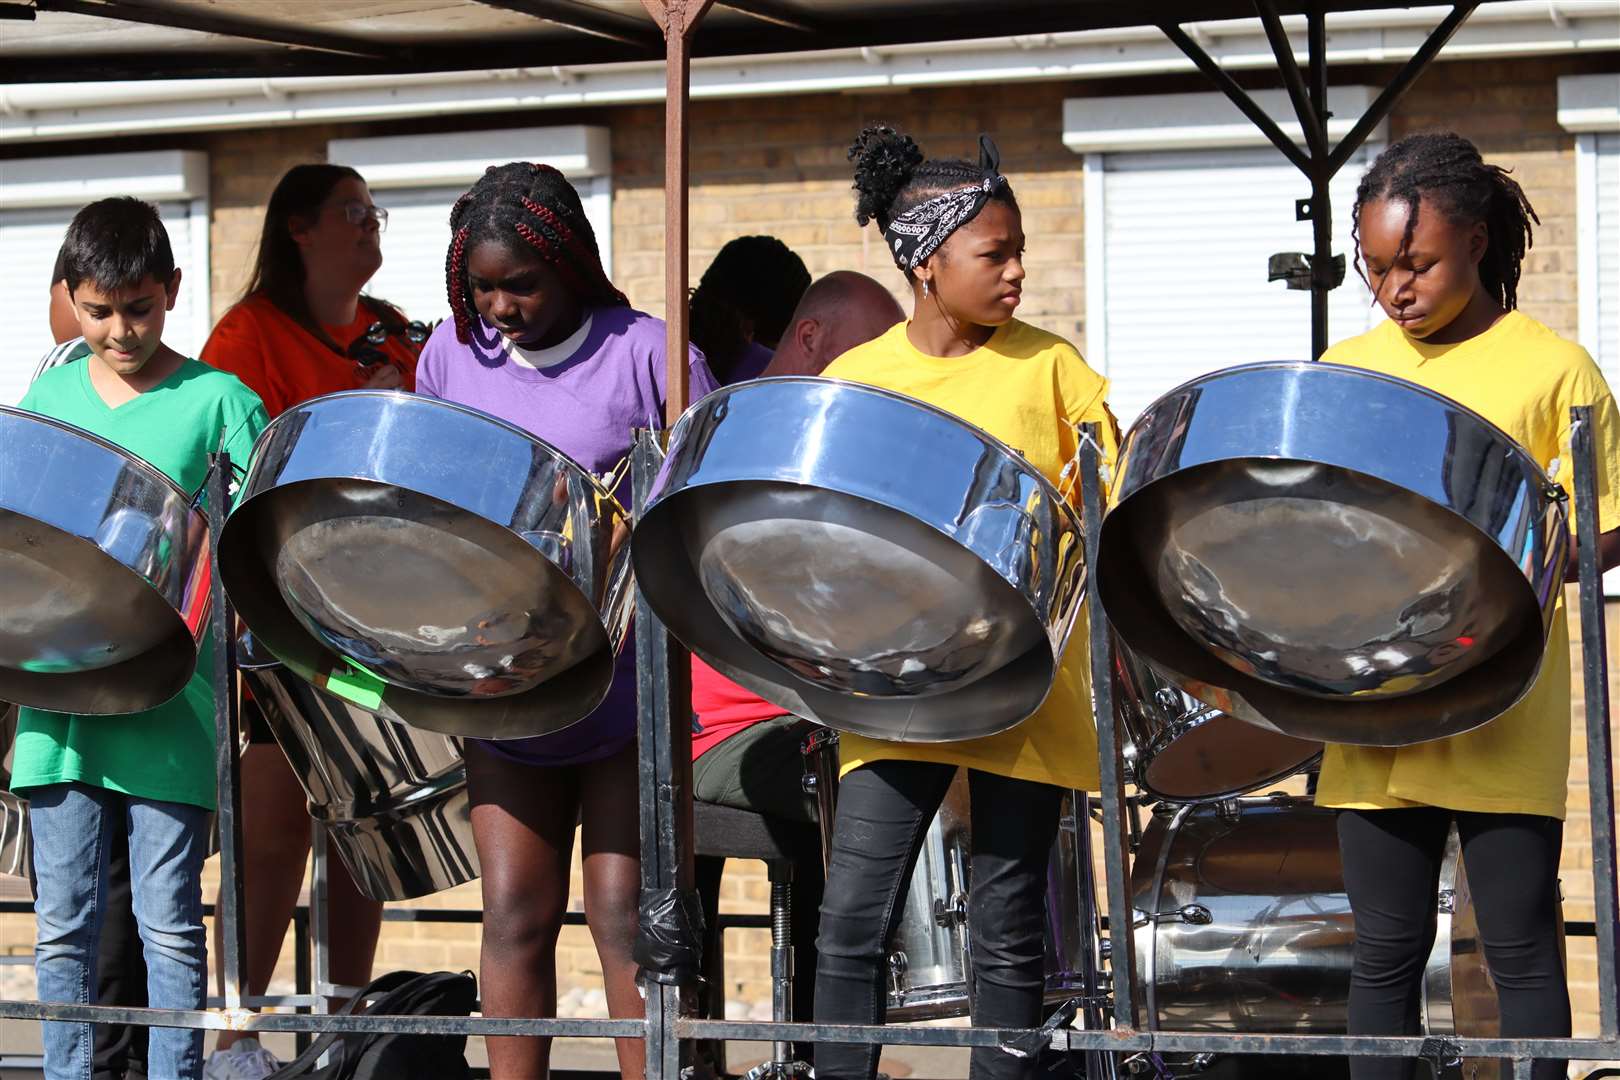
[(930, 953)]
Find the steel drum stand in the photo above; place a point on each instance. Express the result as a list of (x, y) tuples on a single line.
[(227, 733)]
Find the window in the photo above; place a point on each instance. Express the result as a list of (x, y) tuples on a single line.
[(38, 198), (417, 178)]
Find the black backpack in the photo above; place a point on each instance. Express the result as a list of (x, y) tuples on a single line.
[(360, 1055)]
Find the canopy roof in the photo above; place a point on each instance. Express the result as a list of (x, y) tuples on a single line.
[(77, 40)]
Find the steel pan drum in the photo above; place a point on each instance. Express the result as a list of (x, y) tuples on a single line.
[(104, 573), (1322, 550), (1249, 928), (14, 840), (393, 799), (1182, 750), (432, 563), (861, 559)]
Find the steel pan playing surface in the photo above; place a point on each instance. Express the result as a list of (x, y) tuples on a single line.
[(431, 563), (861, 559), (104, 573), (1323, 551)]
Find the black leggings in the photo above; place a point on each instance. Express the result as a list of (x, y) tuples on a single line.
[(1392, 872), (884, 810)]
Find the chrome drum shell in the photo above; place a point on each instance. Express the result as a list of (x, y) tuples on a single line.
[(14, 839), (104, 573), (393, 799), (1323, 550), (471, 578), (862, 559), (1182, 750), (1250, 929)]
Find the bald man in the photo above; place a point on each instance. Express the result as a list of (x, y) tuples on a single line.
[(836, 313)]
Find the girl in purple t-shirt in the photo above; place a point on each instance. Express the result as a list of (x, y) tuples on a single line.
[(543, 340)]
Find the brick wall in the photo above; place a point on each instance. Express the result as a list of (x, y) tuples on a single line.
[(776, 165)]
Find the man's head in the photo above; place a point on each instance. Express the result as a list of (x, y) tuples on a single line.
[(838, 312), (120, 274)]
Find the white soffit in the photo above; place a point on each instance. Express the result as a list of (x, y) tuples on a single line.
[(1589, 102), (1198, 121), (155, 175), (460, 158)]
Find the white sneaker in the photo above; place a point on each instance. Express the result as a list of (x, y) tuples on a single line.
[(245, 1059)]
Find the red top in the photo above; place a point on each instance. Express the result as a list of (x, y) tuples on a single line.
[(284, 363), (723, 708)]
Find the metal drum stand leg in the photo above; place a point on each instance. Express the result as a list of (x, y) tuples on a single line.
[(781, 1065)]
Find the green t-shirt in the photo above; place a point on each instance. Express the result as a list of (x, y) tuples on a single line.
[(164, 753)]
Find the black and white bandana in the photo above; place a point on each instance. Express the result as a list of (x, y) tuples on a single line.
[(918, 233)]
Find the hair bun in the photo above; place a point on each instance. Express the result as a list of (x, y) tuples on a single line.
[(884, 161)]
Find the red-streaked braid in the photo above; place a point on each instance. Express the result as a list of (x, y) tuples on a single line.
[(589, 257), (456, 284), (553, 255)]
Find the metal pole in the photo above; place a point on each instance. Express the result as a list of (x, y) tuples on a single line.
[(1122, 951), (320, 917), (227, 734), (664, 749), (1402, 82), (1595, 683), (678, 20), (1324, 277)]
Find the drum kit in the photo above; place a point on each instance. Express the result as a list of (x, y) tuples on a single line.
[(1295, 553)]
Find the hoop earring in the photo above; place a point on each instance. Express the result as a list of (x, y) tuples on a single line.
[(925, 288)]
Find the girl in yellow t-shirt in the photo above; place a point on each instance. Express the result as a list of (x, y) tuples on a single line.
[(1440, 238), (954, 230)]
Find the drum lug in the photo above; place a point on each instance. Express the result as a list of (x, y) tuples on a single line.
[(808, 783), (897, 971), (951, 913), (1448, 902), (1192, 915), (1229, 810)]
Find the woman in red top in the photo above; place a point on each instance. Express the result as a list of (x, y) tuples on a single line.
[(301, 330)]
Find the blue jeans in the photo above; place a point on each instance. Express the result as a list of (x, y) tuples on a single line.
[(167, 844)]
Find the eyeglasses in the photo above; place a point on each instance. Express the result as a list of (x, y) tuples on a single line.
[(356, 212), (366, 350)]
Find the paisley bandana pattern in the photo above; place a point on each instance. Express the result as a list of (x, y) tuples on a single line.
[(918, 233)]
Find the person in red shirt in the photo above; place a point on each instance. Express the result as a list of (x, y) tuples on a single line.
[(302, 329), (745, 750)]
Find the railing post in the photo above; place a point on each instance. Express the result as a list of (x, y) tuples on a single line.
[(227, 751)]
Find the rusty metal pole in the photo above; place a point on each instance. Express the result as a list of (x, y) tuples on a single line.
[(678, 20)]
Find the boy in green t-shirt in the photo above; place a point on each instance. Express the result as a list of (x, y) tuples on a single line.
[(154, 769)]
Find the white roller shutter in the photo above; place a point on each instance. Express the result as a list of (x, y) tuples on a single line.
[(418, 236), (1184, 242), (29, 240), (1598, 260)]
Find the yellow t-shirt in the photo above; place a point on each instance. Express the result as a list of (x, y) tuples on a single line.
[(1523, 378), (1028, 388)]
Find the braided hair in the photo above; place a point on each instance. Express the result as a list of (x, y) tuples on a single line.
[(892, 176), (1445, 170), (754, 280), (525, 207)]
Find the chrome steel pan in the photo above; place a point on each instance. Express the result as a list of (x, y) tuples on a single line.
[(1322, 550), (14, 840), (861, 559), (449, 570), (393, 799), (1182, 750), (1245, 926), (104, 573)]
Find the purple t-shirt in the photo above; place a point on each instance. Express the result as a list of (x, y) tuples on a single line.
[(754, 360), (587, 400)]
